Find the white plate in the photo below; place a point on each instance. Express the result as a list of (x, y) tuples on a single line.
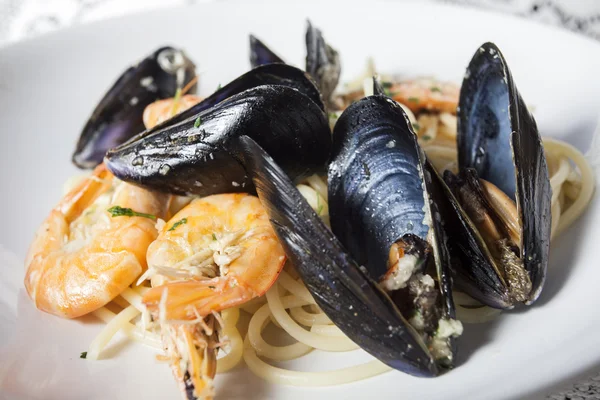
[(49, 86)]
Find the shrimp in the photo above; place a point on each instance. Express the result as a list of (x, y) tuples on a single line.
[(224, 249), (81, 258), (217, 252), (426, 94), (162, 110), (191, 348)]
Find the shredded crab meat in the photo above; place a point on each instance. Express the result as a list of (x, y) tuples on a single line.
[(207, 263)]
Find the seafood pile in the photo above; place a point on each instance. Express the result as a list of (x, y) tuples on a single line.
[(198, 196)]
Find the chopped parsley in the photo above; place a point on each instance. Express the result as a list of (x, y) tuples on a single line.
[(435, 89), (198, 122), (214, 236), (118, 211), (83, 354), (416, 126), (386, 85), (176, 224), (176, 100), (426, 137), (332, 115), (319, 205), (413, 99), (219, 87)]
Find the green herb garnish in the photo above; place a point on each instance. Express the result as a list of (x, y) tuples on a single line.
[(413, 99), (118, 211), (214, 236), (332, 115), (386, 85), (176, 224), (176, 99), (416, 126), (83, 354), (319, 205), (198, 122), (426, 137), (435, 89), (219, 87)]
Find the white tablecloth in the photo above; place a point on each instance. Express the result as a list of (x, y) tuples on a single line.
[(27, 18)]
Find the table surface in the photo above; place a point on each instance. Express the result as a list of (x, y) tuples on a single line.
[(21, 19)]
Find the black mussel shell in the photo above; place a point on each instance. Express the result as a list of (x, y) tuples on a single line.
[(352, 300), (375, 182), (498, 137), (378, 87), (322, 61), (272, 74), (382, 190), (118, 116), (260, 54), (473, 267), (193, 156)]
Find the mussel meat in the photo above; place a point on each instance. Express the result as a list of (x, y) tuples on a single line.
[(385, 282), (118, 116), (503, 185), (193, 156)]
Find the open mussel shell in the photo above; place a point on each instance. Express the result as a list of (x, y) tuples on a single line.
[(383, 192), (322, 61), (272, 74), (118, 116), (193, 157), (498, 138), (375, 182), (378, 87), (349, 297), (260, 54)]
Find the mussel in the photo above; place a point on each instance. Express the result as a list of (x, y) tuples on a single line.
[(384, 279), (270, 74), (503, 186), (322, 61), (118, 116), (260, 54), (192, 156)]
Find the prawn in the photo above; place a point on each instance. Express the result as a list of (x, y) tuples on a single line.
[(161, 110), (81, 257), (217, 252), (425, 94), (191, 346), (220, 251)]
